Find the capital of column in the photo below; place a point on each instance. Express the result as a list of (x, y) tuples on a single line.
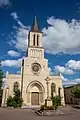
[(47, 79)]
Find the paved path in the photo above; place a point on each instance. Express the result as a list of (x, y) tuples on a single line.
[(25, 114)]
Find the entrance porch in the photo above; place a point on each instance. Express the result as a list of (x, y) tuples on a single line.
[(35, 93)]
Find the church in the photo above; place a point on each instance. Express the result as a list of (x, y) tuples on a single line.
[(35, 82)]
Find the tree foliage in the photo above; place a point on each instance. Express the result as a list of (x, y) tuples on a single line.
[(1, 79), (1, 83), (56, 101), (15, 101), (76, 91), (10, 101), (17, 98)]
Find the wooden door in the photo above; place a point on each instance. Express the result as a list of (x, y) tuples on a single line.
[(35, 98)]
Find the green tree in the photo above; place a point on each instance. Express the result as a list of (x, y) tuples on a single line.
[(16, 101), (76, 91), (1, 83), (1, 80), (17, 98)]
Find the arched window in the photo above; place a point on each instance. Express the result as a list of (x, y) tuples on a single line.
[(53, 89), (37, 40), (34, 39), (16, 86), (59, 91)]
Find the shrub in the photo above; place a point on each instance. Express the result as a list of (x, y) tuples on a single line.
[(50, 108), (43, 107), (56, 102), (10, 101)]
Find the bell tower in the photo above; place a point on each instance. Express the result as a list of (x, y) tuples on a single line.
[(35, 49)]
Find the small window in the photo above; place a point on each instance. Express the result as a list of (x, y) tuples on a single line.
[(34, 39), (16, 86), (37, 40), (59, 91)]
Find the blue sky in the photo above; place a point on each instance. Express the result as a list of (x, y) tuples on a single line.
[(59, 20)]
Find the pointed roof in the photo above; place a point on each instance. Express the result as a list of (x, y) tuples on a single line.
[(34, 25)]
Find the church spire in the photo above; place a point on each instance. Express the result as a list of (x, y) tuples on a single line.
[(35, 25)]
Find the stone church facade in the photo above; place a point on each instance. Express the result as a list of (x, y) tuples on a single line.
[(34, 73)]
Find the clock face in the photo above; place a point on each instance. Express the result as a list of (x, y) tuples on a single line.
[(36, 68)]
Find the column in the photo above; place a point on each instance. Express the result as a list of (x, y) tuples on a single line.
[(48, 101)]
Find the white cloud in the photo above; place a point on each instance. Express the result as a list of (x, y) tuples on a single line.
[(73, 64), (13, 53), (70, 68), (20, 41), (62, 36), (15, 17), (50, 71), (18, 72), (12, 63), (64, 70), (4, 2), (67, 82)]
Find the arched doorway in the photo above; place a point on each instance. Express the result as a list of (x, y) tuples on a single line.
[(35, 93)]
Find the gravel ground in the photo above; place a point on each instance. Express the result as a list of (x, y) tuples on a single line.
[(28, 114)]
